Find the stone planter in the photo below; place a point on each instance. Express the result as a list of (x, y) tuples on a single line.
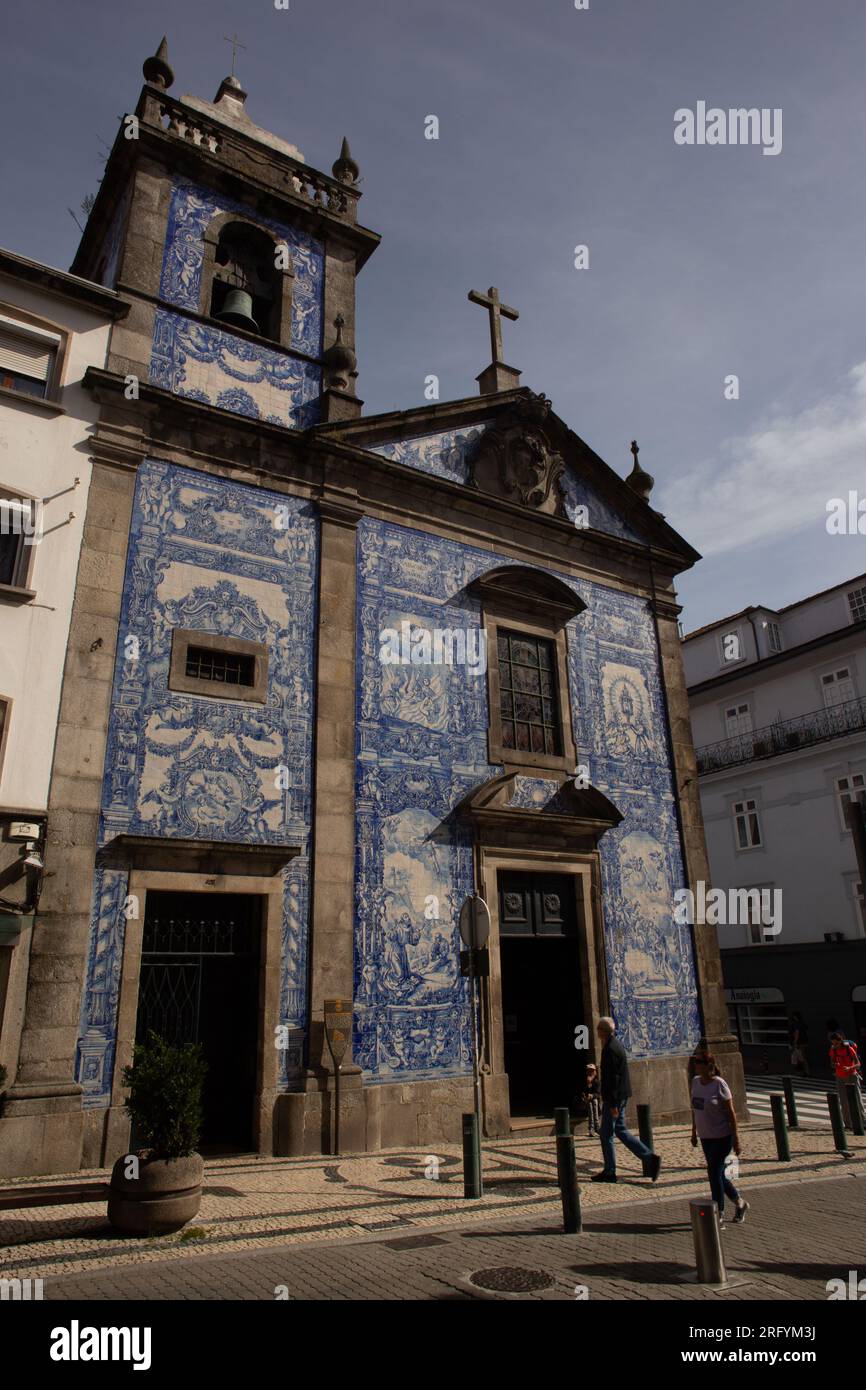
[(165, 1195)]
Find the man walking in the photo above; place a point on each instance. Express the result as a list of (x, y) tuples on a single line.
[(615, 1094)]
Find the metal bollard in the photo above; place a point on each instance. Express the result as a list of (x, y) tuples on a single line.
[(783, 1148), (834, 1105), (472, 1181), (566, 1169), (791, 1102), (855, 1107), (709, 1260), (562, 1121)]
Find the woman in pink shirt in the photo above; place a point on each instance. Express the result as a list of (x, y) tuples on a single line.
[(714, 1122)]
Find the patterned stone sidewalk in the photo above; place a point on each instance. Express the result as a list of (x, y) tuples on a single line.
[(798, 1236), (258, 1203)]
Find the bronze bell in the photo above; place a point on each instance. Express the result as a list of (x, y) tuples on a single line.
[(238, 309)]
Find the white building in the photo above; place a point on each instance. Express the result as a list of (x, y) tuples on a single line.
[(53, 326), (778, 710)]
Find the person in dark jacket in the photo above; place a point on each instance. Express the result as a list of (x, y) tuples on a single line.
[(615, 1094)]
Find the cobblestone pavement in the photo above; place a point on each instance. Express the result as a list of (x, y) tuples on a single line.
[(255, 1203), (797, 1236)]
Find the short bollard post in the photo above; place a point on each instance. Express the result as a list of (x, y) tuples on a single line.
[(791, 1102), (566, 1169), (855, 1107), (562, 1121), (472, 1184), (834, 1105), (783, 1148), (709, 1260)]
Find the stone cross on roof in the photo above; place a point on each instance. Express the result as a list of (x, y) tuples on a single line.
[(498, 376), (492, 303), (236, 44)]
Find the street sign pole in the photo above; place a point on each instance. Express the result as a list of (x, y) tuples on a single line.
[(338, 1031)]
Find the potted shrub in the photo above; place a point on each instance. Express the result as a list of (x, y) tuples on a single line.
[(157, 1189)]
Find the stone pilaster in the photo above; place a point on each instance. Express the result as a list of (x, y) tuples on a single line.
[(306, 1119)]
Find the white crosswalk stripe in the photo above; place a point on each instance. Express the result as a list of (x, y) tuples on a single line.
[(809, 1093)]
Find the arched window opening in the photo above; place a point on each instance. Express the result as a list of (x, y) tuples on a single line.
[(245, 290)]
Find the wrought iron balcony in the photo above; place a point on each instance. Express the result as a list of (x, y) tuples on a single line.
[(784, 736)]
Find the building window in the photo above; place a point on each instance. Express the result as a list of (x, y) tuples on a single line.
[(528, 697), (747, 824), (29, 358), (525, 613), (859, 907), (762, 1025), (757, 919), (227, 668), (223, 668), (738, 720), (774, 637), (731, 647), (857, 604), (837, 687), (19, 520), (244, 264), (849, 789)]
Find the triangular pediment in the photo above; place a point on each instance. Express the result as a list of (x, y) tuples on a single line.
[(514, 447)]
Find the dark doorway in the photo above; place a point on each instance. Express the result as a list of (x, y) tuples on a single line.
[(542, 994), (199, 983)]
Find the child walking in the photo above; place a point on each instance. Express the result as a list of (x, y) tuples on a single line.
[(592, 1097)]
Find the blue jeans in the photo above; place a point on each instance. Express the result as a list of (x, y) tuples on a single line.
[(611, 1127), (715, 1152)]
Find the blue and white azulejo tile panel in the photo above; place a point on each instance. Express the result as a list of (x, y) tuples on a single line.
[(212, 555), (422, 746)]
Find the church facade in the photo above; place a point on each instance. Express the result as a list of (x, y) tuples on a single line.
[(342, 672)]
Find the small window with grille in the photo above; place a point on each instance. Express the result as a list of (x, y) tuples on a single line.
[(223, 668), (226, 668)]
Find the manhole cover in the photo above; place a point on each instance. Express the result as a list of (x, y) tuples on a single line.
[(511, 1279)]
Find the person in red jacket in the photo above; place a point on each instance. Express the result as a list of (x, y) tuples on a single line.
[(845, 1061)]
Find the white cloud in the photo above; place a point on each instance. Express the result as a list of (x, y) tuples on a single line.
[(778, 479)]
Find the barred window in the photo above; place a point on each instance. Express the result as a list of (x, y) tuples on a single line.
[(529, 701), (229, 668)]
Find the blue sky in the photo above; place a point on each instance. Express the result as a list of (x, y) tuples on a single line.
[(555, 129)]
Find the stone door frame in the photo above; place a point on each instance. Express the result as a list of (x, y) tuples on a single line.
[(585, 869), (267, 1087)]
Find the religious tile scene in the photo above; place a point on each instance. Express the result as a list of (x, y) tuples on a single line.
[(389, 821)]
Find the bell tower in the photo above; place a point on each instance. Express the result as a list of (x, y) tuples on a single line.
[(239, 258)]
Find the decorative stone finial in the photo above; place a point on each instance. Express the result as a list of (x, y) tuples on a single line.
[(156, 69), (638, 479), (231, 95), (345, 169), (340, 361)]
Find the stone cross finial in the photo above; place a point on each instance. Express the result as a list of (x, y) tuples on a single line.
[(633, 448), (236, 44), (491, 302)]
